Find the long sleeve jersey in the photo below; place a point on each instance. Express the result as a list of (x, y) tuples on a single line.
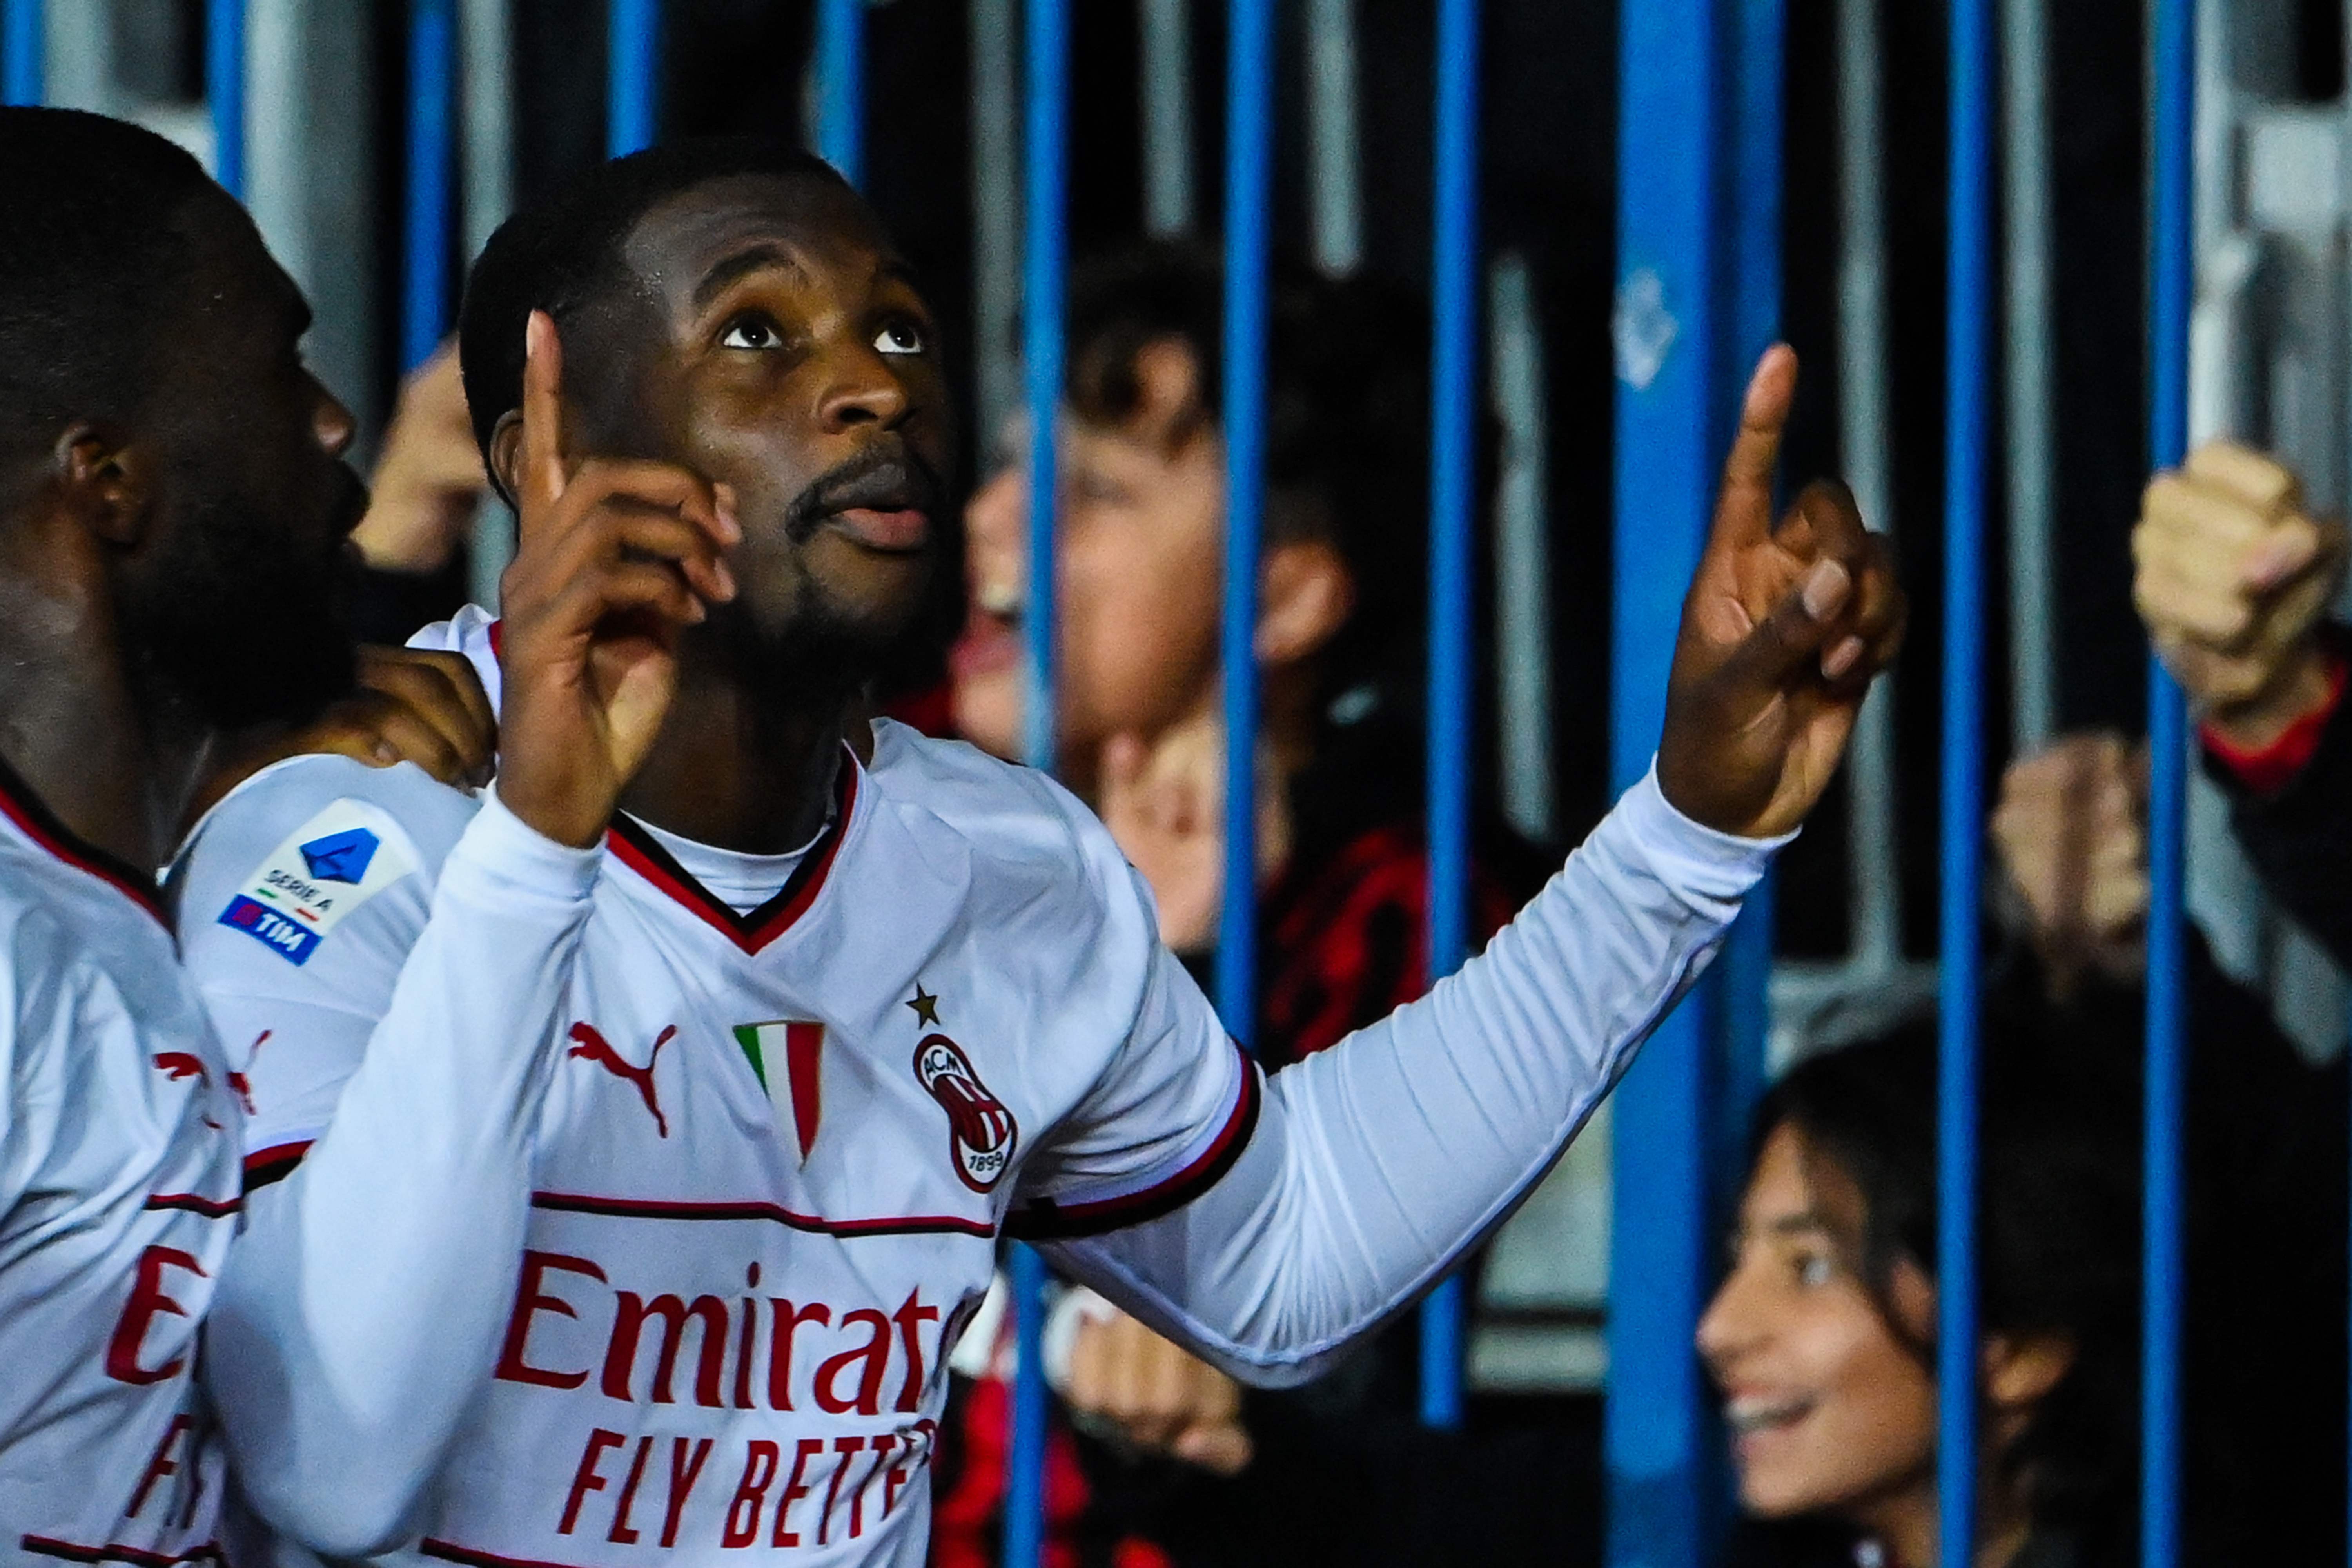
[(631, 1225)]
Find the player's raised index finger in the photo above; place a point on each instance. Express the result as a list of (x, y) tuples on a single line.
[(543, 411), (1744, 511)]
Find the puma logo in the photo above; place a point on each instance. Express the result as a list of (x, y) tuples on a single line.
[(177, 1065), (597, 1049)]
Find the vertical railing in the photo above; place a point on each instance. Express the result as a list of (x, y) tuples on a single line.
[(1335, 191), (632, 70), (1453, 502), (2027, 371), (424, 244), (1249, 192), (23, 41), (225, 90), (841, 86), (2171, 276), (1045, 265), (1968, 414), (1164, 54), (1662, 1498)]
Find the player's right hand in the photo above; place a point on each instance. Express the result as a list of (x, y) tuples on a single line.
[(616, 559), (2233, 580)]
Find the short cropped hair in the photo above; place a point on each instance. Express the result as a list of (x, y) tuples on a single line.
[(565, 253), (1347, 425), (90, 245)]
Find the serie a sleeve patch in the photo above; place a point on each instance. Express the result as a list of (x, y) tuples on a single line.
[(323, 871)]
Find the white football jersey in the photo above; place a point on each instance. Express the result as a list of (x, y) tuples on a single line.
[(118, 1199), (778, 1149)]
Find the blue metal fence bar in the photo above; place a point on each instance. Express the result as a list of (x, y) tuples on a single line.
[(1044, 267), (841, 86), (424, 243), (2172, 241), (1659, 1453), (1249, 194), (1452, 503), (225, 90), (23, 41), (632, 66), (1968, 412)]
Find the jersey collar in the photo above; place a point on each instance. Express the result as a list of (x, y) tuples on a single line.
[(642, 853), (22, 807)]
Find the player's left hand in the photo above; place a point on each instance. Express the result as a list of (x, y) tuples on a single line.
[(1782, 632)]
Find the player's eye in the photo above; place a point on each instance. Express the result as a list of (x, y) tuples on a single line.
[(899, 338), (1815, 1269), (751, 332)]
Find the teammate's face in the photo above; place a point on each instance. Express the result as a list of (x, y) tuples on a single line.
[(1138, 540), (236, 602), (1831, 1411), (787, 353)]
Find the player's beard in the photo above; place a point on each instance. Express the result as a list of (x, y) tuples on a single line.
[(234, 626)]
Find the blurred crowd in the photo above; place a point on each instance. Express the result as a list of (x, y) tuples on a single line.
[(1821, 1334)]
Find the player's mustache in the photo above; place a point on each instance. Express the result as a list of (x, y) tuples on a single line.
[(888, 476)]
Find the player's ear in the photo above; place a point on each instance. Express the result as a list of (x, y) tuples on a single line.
[(1306, 593), (506, 452), (106, 478)]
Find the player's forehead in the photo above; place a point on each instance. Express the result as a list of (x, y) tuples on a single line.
[(689, 246)]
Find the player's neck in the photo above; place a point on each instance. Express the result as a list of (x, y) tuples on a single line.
[(72, 729), (739, 770)]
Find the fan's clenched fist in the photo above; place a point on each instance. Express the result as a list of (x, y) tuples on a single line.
[(2233, 578), (1782, 632)]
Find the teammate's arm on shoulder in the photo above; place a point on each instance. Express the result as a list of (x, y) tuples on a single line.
[(410, 705)]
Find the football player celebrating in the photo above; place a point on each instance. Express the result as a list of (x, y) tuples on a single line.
[(174, 509), (834, 1018)]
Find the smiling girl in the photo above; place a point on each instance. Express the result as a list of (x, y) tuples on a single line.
[(1821, 1337)]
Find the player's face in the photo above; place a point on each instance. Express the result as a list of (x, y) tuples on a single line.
[(788, 354), (1831, 1411), (236, 602), (1138, 540)]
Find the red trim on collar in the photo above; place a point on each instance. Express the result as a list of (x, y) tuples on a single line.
[(642, 853), (495, 628), (20, 805)]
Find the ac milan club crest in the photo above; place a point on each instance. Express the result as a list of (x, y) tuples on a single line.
[(981, 1132)]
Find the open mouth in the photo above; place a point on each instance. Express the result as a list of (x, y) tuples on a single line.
[(1757, 1416), (883, 504), (991, 637)]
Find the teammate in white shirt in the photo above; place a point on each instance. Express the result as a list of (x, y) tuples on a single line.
[(701, 1168), (173, 509)]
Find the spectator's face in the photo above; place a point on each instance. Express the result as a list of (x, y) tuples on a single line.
[(233, 600), (1140, 534), (1831, 1410)]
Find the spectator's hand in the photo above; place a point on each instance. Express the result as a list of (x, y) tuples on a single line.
[(1782, 632), (616, 559), (2071, 834), (1164, 804), (411, 705), (1155, 1397), (2233, 580), (430, 476)]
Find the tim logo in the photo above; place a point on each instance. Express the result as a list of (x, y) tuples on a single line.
[(981, 1132)]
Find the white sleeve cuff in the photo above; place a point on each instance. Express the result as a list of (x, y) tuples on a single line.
[(506, 859), (1688, 854)]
